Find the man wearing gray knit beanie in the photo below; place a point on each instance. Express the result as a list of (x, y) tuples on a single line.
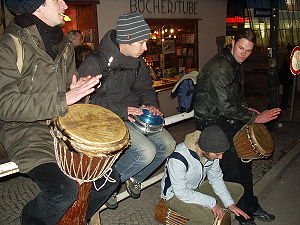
[(193, 183), (126, 87), (132, 28)]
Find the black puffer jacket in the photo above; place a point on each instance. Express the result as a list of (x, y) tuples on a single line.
[(220, 90), (128, 81)]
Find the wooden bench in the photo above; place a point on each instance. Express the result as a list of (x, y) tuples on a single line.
[(11, 168)]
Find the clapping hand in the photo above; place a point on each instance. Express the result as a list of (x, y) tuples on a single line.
[(81, 88)]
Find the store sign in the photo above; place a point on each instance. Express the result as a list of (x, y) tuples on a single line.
[(236, 19), (188, 7), (262, 12)]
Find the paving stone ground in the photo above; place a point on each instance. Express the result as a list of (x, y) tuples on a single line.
[(17, 190), (285, 138)]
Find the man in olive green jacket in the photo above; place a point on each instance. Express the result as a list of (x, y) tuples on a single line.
[(40, 87)]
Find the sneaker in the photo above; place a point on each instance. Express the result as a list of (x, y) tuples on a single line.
[(112, 202), (133, 187), (262, 215)]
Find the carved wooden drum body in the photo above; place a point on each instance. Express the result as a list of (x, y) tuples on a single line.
[(169, 217), (253, 141)]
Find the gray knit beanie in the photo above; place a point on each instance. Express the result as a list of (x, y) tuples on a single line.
[(213, 139), (131, 28), (20, 7)]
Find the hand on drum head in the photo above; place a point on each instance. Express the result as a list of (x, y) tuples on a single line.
[(153, 110), (81, 88), (238, 212), (267, 115), (217, 211), (133, 111)]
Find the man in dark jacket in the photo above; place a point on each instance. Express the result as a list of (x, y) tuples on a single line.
[(37, 88), (220, 100), (126, 86)]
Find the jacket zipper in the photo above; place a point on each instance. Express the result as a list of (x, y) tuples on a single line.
[(32, 78)]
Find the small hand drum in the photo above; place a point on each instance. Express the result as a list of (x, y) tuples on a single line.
[(147, 123), (253, 141)]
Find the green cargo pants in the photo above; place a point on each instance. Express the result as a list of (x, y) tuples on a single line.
[(199, 214)]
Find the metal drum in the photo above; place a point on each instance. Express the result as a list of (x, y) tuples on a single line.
[(148, 123)]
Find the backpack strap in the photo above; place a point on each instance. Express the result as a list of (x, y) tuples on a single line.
[(104, 64), (20, 52), (177, 155), (174, 155)]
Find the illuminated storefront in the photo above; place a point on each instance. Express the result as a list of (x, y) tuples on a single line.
[(257, 14), (201, 20)]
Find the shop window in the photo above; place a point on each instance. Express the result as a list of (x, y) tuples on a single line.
[(172, 48)]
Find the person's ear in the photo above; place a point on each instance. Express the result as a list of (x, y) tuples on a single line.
[(232, 42)]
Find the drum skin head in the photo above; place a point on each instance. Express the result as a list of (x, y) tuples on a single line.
[(225, 220), (262, 138), (92, 125)]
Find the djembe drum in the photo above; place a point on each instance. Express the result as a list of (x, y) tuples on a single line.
[(253, 141), (87, 141), (167, 216)]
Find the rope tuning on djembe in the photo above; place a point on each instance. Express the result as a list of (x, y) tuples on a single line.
[(87, 141)]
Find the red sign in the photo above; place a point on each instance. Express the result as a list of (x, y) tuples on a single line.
[(295, 61), (236, 19)]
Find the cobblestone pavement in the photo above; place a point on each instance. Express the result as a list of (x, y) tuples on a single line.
[(16, 190), (131, 209)]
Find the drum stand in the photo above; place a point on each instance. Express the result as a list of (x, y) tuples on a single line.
[(77, 214)]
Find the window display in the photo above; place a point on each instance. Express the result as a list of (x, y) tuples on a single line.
[(172, 48)]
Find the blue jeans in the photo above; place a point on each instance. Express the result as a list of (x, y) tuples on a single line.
[(145, 153), (58, 193)]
